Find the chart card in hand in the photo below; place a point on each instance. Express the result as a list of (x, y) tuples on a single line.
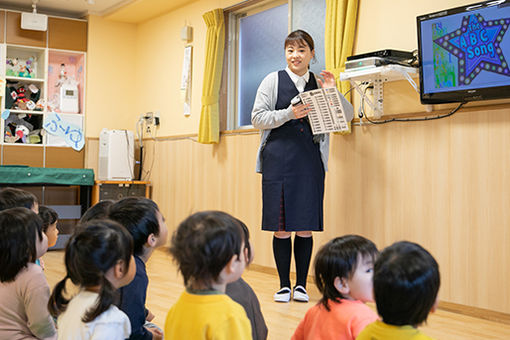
[(326, 110)]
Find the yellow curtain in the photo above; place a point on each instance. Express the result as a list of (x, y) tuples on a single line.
[(209, 129), (341, 18)]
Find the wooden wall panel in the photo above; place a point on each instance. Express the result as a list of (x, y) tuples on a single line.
[(443, 184), (23, 155), (67, 34), (2, 26), (15, 35), (61, 157)]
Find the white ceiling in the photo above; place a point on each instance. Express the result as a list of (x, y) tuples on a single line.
[(129, 11), (71, 8)]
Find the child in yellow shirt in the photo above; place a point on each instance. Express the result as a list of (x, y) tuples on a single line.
[(406, 283), (209, 249)]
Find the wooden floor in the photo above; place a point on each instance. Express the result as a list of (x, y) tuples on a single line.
[(165, 286)]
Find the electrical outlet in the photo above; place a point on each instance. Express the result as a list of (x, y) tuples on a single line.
[(152, 118), (157, 118)]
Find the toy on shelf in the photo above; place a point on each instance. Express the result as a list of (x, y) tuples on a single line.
[(17, 98), (18, 129), (66, 98), (17, 67)]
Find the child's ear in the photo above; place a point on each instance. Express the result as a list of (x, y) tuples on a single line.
[(119, 270), (434, 306), (341, 285), (231, 265), (152, 240)]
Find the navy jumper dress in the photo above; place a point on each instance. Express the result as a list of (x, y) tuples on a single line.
[(292, 170)]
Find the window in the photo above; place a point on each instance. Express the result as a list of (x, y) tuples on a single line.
[(253, 33), (255, 38)]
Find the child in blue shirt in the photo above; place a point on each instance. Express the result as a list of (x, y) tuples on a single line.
[(143, 220)]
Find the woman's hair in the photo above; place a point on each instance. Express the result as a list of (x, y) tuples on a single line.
[(98, 211), (16, 198), (301, 38), (48, 216), (19, 228), (139, 216), (406, 283), (203, 245), (339, 258), (95, 248)]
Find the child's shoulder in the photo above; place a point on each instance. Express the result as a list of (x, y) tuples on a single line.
[(381, 330), (32, 275), (350, 306)]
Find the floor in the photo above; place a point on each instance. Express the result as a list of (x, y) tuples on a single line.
[(165, 286)]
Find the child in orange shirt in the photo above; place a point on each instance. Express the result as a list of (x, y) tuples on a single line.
[(343, 274)]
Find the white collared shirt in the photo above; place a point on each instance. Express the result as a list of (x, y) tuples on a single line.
[(299, 81)]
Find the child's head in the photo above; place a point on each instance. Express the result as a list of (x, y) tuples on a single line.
[(406, 282), (98, 211), (17, 198), (21, 241), (49, 218), (142, 219), (344, 269), (209, 248), (98, 257)]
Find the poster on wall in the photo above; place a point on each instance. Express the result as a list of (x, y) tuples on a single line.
[(186, 79)]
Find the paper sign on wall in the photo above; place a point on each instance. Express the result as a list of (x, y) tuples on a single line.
[(186, 79), (57, 125)]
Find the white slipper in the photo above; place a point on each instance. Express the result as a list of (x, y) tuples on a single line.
[(283, 295), (300, 294)]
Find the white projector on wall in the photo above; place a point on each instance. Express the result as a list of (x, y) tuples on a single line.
[(116, 155), (34, 21)]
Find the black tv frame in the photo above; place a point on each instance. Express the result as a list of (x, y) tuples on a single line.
[(459, 96)]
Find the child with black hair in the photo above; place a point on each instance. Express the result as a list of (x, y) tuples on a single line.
[(343, 274), (142, 218), (241, 292), (98, 211), (98, 259), (209, 250), (406, 283), (49, 218), (24, 291), (17, 198)]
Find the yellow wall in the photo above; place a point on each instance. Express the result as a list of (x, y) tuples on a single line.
[(392, 23), (111, 93), (159, 61)]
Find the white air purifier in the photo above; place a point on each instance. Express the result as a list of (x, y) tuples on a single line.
[(116, 155)]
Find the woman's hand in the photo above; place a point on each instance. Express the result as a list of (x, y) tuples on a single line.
[(329, 79), (300, 110)]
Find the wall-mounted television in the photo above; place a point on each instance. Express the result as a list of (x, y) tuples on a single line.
[(464, 53)]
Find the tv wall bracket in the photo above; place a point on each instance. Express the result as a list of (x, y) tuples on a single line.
[(377, 76)]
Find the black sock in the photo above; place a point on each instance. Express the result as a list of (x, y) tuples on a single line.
[(282, 251), (302, 255)]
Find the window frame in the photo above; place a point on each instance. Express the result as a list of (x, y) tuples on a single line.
[(229, 94)]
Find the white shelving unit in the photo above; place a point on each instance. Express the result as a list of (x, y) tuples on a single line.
[(47, 68), (377, 76)]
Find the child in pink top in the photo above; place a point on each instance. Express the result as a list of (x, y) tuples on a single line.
[(343, 274), (24, 292)]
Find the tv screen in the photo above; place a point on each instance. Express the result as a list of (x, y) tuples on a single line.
[(464, 53)]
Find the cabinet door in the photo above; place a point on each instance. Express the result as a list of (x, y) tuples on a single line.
[(23, 155), (15, 35), (62, 157), (67, 34)]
